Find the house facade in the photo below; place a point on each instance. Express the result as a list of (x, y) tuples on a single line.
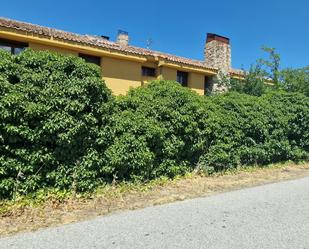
[(123, 65)]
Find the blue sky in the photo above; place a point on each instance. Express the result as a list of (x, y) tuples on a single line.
[(180, 27)]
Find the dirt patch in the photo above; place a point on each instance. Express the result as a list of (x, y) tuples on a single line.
[(117, 198)]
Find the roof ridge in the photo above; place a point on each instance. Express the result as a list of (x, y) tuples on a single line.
[(52, 29), (97, 41)]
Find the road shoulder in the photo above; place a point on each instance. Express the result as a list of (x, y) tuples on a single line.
[(128, 197)]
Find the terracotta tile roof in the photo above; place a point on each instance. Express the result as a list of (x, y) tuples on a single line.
[(97, 41), (237, 72)]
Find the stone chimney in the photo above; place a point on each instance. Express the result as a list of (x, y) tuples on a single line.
[(123, 38), (218, 52)]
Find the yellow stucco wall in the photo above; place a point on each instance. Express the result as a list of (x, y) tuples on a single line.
[(148, 79), (196, 82), (121, 75), (36, 46), (150, 64), (120, 71), (168, 73)]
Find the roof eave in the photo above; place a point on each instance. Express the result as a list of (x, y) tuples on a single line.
[(43, 35)]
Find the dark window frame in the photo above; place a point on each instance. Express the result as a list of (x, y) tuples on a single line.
[(13, 45), (149, 71), (182, 78), (91, 58), (208, 85)]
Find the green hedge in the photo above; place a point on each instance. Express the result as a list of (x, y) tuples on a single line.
[(165, 129), (61, 128), (51, 110), (155, 130), (259, 130)]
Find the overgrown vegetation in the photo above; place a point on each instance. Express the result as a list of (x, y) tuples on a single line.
[(165, 129), (266, 75), (61, 128), (51, 110)]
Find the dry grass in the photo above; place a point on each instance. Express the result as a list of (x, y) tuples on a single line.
[(16, 218)]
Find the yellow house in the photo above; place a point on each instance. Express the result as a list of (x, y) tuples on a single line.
[(123, 66)]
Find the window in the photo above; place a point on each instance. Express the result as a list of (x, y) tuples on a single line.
[(182, 78), (208, 84), (91, 59), (13, 47), (148, 71)]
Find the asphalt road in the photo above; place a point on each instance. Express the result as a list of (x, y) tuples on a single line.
[(269, 216)]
